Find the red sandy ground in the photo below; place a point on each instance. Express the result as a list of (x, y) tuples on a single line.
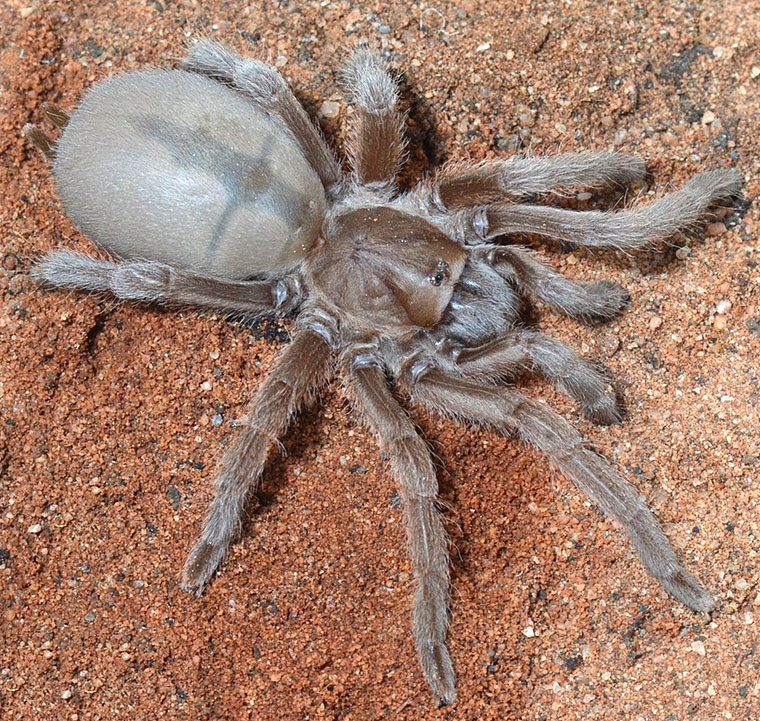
[(107, 443)]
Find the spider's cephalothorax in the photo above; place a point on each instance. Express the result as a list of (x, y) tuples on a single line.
[(213, 188)]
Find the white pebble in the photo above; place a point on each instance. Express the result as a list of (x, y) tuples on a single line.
[(683, 252), (528, 632), (36, 528), (329, 109), (723, 307), (698, 647)]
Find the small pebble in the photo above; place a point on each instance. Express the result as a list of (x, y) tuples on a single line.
[(723, 307), (174, 496), (329, 109), (755, 72), (528, 632), (698, 647), (511, 142), (66, 695), (655, 322), (713, 229), (483, 47), (683, 253), (708, 117), (36, 528), (526, 119), (720, 322), (584, 196)]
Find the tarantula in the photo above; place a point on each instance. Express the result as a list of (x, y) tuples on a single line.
[(214, 188)]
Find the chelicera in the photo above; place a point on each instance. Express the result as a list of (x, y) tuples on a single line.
[(211, 187)]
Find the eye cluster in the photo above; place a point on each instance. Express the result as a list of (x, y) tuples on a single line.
[(440, 273)]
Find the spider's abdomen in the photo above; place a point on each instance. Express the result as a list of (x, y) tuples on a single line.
[(170, 166)]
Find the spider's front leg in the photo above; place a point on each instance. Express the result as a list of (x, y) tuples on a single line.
[(301, 368), (592, 302), (534, 423), (426, 537), (267, 88), (151, 282)]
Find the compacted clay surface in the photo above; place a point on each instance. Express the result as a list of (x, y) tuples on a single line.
[(112, 415)]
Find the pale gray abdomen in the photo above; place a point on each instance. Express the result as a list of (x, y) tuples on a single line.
[(175, 167)]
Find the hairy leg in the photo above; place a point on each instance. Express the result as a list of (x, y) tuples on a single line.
[(152, 282), (460, 186), (426, 537), (39, 139), (538, 425), (300, 369), (524, 349), (377, 142), (626, 229), (590, 302), (42, 141), (56, 115), (267, 88)]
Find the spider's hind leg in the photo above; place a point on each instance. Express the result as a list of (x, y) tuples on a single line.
[(264, 85), (151, 282)]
